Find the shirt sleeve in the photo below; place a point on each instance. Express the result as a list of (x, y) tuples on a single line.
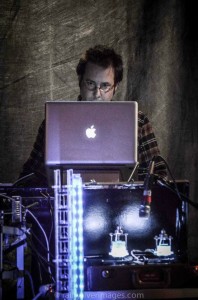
[(36, 162), (148, 148)]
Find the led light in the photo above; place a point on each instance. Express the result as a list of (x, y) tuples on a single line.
[(77, 257), (69, 257)]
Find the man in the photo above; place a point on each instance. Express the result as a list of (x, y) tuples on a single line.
[(99, 72)]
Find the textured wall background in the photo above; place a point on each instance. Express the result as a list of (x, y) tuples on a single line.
[(40, 45)]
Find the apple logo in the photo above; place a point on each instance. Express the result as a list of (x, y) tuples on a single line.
[(91, 132)]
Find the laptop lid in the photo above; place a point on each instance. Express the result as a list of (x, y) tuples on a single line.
[(91, 134)]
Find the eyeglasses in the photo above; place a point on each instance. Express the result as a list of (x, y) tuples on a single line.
[(92, 86)]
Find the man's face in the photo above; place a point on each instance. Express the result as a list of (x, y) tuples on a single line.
[(97, 83)]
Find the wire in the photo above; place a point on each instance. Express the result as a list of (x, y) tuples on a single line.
[(182, 196), (43, 290), (132, 173), (48, 197), (27, 273), (40, 226), (46, 239), (165, 183), (38, 295), (22, 179)]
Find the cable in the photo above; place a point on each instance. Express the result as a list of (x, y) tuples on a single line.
[(43, 290), (48, 197), (27, 273), (46, 239), (41, 228), (23, 179), (132, 173), (165, 183), (182, 196), (38, 295)]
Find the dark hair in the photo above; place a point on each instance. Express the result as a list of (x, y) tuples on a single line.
[(102, 56)]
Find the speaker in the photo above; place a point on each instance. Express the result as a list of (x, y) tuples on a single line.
[(103, 278)]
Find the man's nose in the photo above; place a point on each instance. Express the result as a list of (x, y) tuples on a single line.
[(97, 92)]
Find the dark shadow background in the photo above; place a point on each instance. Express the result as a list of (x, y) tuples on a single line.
[(41, 43)]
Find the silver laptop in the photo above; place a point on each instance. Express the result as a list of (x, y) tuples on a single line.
[(91, 134)]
